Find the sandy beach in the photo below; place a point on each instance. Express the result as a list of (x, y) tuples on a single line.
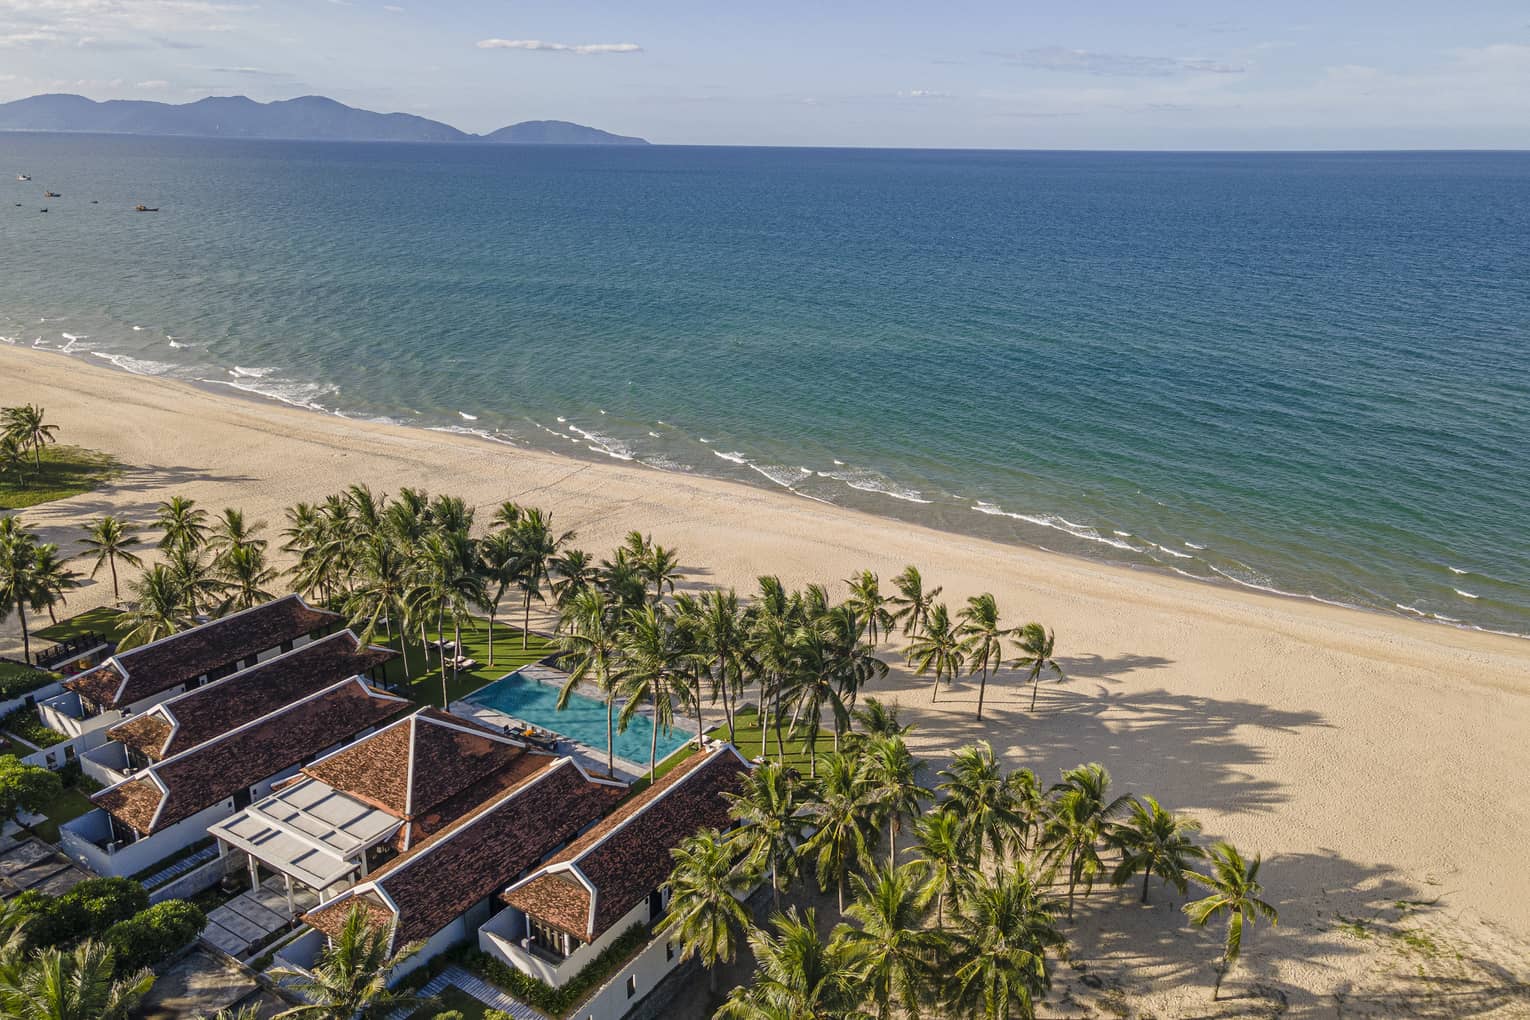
[(1380, 765)]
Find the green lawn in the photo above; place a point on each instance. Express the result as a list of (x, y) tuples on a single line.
[(101, 620), (452, 998), (425, 688), (72, 803), (66, 471), (746, 737)]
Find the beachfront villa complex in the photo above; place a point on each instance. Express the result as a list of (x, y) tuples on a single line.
[(264, 749)]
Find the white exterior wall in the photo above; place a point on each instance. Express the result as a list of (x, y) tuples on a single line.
[(106, 764), (493, 939), (38, 697), (611, 1001), (460, 930), (74, 839)]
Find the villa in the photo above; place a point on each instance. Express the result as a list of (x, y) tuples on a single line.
[(168, 806), (133, 681)]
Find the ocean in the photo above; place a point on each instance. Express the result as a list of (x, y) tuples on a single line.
[(1302, 373)]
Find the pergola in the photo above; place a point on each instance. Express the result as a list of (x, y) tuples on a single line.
[(308, 833)]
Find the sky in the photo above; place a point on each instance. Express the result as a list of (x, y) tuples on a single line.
[(1173, 74)]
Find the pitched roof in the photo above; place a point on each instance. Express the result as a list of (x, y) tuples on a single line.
[(429, 768), (161, 665), (180, 786), (422, 891), (189, 719), (607, 871)]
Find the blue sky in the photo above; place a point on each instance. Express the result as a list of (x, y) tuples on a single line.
[(1016, 74)]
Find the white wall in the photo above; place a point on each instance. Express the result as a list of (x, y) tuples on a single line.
[(129, 860), (611, 1001), (185, 886), (493, 938), (41, 694)]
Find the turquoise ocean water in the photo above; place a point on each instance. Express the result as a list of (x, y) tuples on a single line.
[(1305, 373)]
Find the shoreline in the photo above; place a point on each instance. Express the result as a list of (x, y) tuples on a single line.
[(217, 389)]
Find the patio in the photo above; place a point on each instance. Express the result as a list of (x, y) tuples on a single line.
[(253, 917)]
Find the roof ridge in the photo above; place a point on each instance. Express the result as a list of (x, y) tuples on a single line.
[(709, 757), (237, 674)]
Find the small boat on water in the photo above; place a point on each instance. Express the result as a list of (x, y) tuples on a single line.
[(43, 209), (52, 194), (23, 177), (144, 208)]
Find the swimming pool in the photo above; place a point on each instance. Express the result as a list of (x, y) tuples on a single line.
[(582, 719)]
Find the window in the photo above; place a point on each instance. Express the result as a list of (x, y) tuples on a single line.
[(286, 646), (546, 938), (631, 985), (69, 753), (669, 951)]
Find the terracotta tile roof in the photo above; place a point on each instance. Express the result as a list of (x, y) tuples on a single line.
[(179, 787), (197, 716), (165, 664), (331, 922), (440, 878), (626, 856), (430, 769)]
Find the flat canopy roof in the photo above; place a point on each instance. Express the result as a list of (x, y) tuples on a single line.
[(309, 830)]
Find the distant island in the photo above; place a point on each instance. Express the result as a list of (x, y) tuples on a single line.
[(307, 118)]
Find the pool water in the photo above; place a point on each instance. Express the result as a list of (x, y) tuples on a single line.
[(583, 719)]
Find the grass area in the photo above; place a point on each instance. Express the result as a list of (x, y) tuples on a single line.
[(425, 688), (101, 620), (66, 471), (70, 804), (453, 998), (16, 679), (28, 725), (746, 737)]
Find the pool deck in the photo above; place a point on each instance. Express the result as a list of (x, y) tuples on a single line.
[(593, 759)]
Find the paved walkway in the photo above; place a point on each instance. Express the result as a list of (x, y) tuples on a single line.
[(251, 917), (482, 991), (28, 863), (181, 866)]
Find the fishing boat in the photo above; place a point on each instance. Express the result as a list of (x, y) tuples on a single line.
[(51, 194), (23, 177), (144, 208)]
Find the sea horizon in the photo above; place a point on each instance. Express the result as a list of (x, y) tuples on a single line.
[(1128, 366)]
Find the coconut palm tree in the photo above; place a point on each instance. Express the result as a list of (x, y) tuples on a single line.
[(893, 776), (231, 531), (51, 578), (572, 570), (1003, 932), (879, 720), (651, 673), (246, 576), (498, 563), (18, 582), (844, 815), (705, 916), (111, 540), (768, 808), (811, 687), (1154, 841), (660, 568), (588, 632), (913, 602), (770, 648), (183, 524), (721, 630), (937, 648), (870, 604), (1035, 644), (978, 794), (452, 587), (537, 545), (380, 599), (507, 515), (351, 978), (1078, 824), (202, 590), (26, 426), (798, 975), (942, 848), (982, 640), (78, 984), (1235, 891), (157, 608), (896, 956)]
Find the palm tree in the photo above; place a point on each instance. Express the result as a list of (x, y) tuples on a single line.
[(231, 531), (351, 978), (660, 568), (719, 627), (381, 597), (895, 954), (51, 578), (771, 823), (797, 975), (71, 985), (982, 639), (812, 686), (943, 850), (18, 584), (937, 648), (13, 458), (571, 571), (770, 647), (892, 774), (26, 426), (1155, 841), (183, 523), (879, 720), (1078, 824), (157, 610), (201, 589), (913, 602), (1235, 891), (244, 572), (1003, 932), (507, 515), (1036, 643), (980, 796), (537, 545), (870, 604), (588, 632), (498, 562), (844, 814), (705, 914), (651, 659), (111, 540), (453, 588)]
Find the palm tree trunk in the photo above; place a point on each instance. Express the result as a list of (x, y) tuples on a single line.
[(1035, 686), (111, 560), (526, 621), (763, 716), (700, 727), (935, 688), (775, 718), (26, 639), (653, 741), (491, 636), (1216, 989), (1147, 874), (610, 740), (982, 689)]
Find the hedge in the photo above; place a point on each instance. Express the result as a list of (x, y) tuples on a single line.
[(153, 936), (25, 723), (86, 911), (557, 1002), (16, 680)]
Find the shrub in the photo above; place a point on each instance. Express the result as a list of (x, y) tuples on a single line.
[(153, 936), (558, 1002), (16, 680), (25, 787), (49, 921), (25, 723), (86, 911)]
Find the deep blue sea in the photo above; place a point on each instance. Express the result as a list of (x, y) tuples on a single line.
[(1306, 373)]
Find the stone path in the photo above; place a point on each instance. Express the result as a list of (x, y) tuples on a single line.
[(480, 990), (181, 866), (31, 864), (245, 920)]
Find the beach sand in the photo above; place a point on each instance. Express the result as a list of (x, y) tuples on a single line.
[(1380, 765)]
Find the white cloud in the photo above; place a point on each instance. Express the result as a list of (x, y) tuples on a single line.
[(156, 83), (1058, 58), (103, 23), (582, 49), (925, 94)]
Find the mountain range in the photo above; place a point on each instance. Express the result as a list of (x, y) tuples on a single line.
[(308, 118)]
